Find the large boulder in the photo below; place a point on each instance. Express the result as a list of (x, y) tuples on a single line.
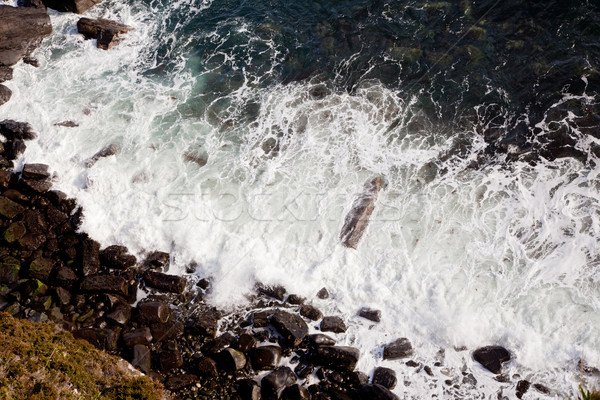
[(105, 31), (5, 94), (21, 31), (357, 220), (76, 6), (343, 358), (491, 357), (291, 326)]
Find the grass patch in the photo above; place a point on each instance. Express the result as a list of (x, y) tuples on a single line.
[(38, 361), (587, 395)]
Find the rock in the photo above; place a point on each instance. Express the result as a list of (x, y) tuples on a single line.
[(295, 392), (207, 367), (139, 336), (323, 294), (63, 295), (22, 30), (121, 314), (337, 357), (374, 391), (371, 315), (105, 283), (260, 319), (90, 256), (117, 257), (104, 339), (41, 268), (170, 359), (164, 282), (9, 208), (318, 339), (178, 382), (32, 242), (245, 342), (107, 32), (295, 299), (290, 326), (400, 348), (75, 6), (167, 331), (65, 276), (265, 357), (357, 220), (35, 187), (333, 324), (153, 311), (34, 62), (14, 232), (141, 358), (35, 171), (157, 259), (33, 221), (5, 94), (67, 124), (247, 389), (206, 323), (541, 388), (491, 357), (232, 360), (276, 291), (13, 130), (6, 74), (108, 151), (199, 157), (273, 383), (5, 175), (522, 388), (385, 377), (311, 312)]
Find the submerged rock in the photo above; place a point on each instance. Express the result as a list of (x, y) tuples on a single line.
[(400, 348), (357, 220), (105, 31), (21, 31), (109, 150)]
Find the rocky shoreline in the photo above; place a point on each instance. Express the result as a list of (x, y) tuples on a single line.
[(50, 271)]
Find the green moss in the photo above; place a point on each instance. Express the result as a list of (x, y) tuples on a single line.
[(14, 232), (477, 32), (438, 5), (475, 54), (39, 362)]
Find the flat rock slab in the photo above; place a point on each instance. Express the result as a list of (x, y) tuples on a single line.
[(338, 357), (36, 171), (75, 6), (5, 94), (357, 220), (400, 348), (21, 31), (491, 357), (164, 282), (105, 283), (105, 31), (291, 326)]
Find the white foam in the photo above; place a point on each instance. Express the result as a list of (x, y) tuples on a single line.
[(465, 258)]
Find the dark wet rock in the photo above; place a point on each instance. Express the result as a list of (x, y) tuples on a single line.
[(265, 357), (374, 391), (65, 276), (117, 257), (385, 377), (178, 382), (491, 357), (245, 342), (75, 6), (32, 241), (36, 187), (9, 208), (34, 222), (41, 268), (231, 360), (105, 339), (35, 171), (19, 197), (15, 231), (295, 392), (203, 283), (358, 378), (90, 252), (260, 319), (121, 314), (105, 283), (323, 294), (206, 323), (221, 342), (357, 220), (139, 336), (541, 388), (291, 326), (311, 312), (370, 314), (295, 299), (198, 157), (107, 151), (248, 389), (522, 388), (318, 339), (170, 359), (105, 31), (337, 357), (14, 149), (5, 175), (275, 291), (167, 331), (34, 62), (141, 358), (63, 295), (13, 130), (303, 370), (400, 348), (157, 259), (207, 367), (5, 94), (21, 30), (333, 324), (67, 124), (6, 74), (153, 311), (273, 383), (164, 282)]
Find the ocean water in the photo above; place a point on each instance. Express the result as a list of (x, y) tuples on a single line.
[(247, 129)]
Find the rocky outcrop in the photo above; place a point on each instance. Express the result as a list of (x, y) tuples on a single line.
[(357, 220), (75, 6), (5, 94), (105, 31), (21, 31), (492, 357)]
